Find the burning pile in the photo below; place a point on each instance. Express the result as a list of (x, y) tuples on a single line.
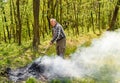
[(35, 70), (44, 69)]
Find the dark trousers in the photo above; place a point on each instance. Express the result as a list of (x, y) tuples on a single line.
[(60, 47)]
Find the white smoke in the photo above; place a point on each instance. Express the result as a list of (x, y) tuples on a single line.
[(100, 61)]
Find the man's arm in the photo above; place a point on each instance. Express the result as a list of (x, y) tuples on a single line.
[(56, 36)]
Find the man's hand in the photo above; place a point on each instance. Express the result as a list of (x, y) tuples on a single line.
[(51, 43)]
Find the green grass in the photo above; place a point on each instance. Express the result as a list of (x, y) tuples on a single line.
[(14, 56), (64, 80)]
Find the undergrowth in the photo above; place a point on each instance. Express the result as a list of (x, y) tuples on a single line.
[(14, 56)]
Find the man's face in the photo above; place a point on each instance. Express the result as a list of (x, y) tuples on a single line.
[(52, 23)]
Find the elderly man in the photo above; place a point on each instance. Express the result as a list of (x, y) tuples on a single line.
[(59, 37)]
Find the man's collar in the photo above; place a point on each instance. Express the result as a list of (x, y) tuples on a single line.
[(55, 24)]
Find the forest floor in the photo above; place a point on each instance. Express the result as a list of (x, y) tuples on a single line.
[(14, 56)]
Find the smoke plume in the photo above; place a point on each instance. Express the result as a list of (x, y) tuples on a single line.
[(100, 61)]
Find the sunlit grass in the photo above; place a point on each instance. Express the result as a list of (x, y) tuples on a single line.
[(14, 56)]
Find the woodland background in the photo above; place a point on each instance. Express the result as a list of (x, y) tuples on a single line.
[(25, 30)]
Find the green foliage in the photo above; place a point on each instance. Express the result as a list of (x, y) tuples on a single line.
[(64, 80), (70, 50), (74, 80), (31, 80), (79, 18), (118, 2), (55, 81), (106, 72), (86, 44), (11, 54), (76, 16)]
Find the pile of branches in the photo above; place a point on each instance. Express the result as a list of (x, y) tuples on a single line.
[(35, 70)]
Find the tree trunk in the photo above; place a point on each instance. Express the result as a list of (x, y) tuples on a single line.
[(11, 20), (99, 17), (5, 22), (115, 13), (92, 22), (28, 26), (4, 31), (48, 13), (61, 11), (36, 4), (18, 23), (14, 15)]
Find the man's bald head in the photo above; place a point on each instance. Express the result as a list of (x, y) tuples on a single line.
[(53, 22)]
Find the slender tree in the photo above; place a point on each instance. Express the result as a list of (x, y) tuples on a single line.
[(99, 15), (28, 21), (5, 23), (15, 30), (48, 13), (115, 14), (92, 22), (12, 31), (61, 11), (5, 40), (36, 39), (18, 22)]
